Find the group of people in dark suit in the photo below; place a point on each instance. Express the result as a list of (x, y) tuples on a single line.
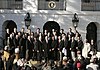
[(46, 46)]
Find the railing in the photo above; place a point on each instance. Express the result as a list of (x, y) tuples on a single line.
[(58, 5), (12, 4), (91, 6)]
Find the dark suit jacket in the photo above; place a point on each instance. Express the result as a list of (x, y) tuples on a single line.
[(40, 46), (11, 42), (73, 45), (66, 44), (7, 35), (60, 45), (80, 45), (36, 45), (46, 48), (71, 34), (16, 42), (29, 48), (29, 45), (54, 45), (22, 42), (22, 47)]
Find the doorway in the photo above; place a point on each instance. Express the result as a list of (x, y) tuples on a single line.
[(51, 25), (10, 25), (91, 32)]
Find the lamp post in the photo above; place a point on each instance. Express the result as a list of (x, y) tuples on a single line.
[(27, 20), (75, 21)]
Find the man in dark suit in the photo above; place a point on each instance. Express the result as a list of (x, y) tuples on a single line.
[(70, 33), (46, 48), (6, 36), (36, 50), (37, 32), (59, 48), (53, 49), (61, 32), (9, 63), (15, 32), (73, 48), (93, 45), (67, 45), (22, 32), (11, 44), (80, 44), (22, 46), (29, 48), (16, 41), (41, 50)]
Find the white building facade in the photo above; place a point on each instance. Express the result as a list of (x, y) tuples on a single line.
[(43, 11)]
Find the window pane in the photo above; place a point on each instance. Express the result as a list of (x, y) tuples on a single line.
[(11, 4), (18, 0), (90, 5), (86, 0)]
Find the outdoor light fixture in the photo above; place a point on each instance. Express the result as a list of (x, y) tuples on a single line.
[(75, 21), (27, 20)]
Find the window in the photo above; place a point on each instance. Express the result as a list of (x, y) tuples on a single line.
[(51, 4), (18, 0), (86, 1), (11, 4), (52, 0), (90, 5)]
